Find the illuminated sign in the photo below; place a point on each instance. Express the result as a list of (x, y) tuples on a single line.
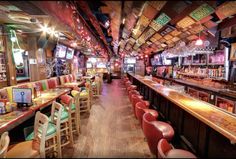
[(163, 19)]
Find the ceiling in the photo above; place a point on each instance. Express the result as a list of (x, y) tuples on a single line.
[(147, 27), (115, 28)]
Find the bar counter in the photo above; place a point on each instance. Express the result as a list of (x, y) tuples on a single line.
[(205, 129)]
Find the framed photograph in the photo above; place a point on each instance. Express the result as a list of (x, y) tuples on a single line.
[(233, 52)]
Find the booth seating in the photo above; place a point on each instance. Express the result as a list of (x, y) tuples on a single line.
[(4, 143), (142, 108), (42, 85), (165, 150), (67, 79), (155, 130), (138, 98), (34, 148)]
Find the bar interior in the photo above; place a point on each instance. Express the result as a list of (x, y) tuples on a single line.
[(127, 79)]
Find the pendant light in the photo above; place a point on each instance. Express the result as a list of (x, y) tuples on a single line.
[(199, 41)]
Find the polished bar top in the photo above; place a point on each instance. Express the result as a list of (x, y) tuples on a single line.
[(12, 119), (209, 114)]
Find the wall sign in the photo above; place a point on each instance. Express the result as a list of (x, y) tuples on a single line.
[(155, 25), (187, 21), (163, 19), (201, 12), (167, 30)]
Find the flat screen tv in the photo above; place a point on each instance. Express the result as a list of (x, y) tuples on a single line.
[(130, 60), (89, 65), (156, 60), (69, 53), (22, 96), (60, 51), (166, 61), (101, 65)]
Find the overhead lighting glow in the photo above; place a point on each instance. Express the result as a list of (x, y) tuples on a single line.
[(123, 21), (44, 28), (199, 42)]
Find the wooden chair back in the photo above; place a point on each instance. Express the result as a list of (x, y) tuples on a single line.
[(40, 131), (4, 143), (56, 113)]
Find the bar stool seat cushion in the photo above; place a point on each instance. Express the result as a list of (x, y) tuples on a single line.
[(73, 106), (24, 150), (165, 128), (51, 130), (179, 153)]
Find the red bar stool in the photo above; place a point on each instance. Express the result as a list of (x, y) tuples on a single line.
[(165, 150), (141, 108), (155, 130), (137, 98), (127, 84), (131, 87), (131, 92)]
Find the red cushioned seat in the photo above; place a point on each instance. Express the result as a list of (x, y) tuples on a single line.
[(131, 87), (141, 108), (155, 130), (131, 92), (165, 150), (135, 99), (52, 83)]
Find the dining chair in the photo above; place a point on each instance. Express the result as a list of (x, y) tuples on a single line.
[(34, 148), (4, 143)]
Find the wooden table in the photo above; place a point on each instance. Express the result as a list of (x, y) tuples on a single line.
[(88, 77), (10, 120), (205, 129)]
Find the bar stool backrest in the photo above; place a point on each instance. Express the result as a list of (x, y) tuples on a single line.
[(4, 143), (40, 130), (67, 102), (56, 113), (162, 148)]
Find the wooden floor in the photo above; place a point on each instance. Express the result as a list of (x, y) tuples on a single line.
[(110, 129)]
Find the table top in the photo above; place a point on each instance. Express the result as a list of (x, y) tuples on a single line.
[(209, 114), (88, 77), (71, 85), (19, 115)]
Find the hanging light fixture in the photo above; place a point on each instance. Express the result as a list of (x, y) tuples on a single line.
[(199, 41)]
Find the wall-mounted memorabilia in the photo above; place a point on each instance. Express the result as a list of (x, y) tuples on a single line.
[(155, 25), (162, 19), (2, 48), (201, 12), (233, 52), (185, 22), (226, 9), (157, 4), (157, 36)]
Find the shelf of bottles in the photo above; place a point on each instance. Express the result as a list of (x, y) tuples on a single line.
[(225, 104)]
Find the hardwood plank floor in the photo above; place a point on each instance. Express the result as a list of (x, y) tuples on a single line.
[(110, 129)]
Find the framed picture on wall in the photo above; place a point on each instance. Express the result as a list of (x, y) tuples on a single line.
[(233, 52)]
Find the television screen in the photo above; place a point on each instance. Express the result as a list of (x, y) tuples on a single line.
[(22, 95), (130, 60), (89, 65), (69, 53), (166, 61), (156, 60), (101, 65), (60, 51)]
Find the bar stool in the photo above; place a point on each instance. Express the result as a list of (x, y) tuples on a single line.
[(66, 121), (53, 137), (4, 143), (138, 98), (141, 108), (131, 87), (89, 91), (34, 148), (131, 92), (165, 150), (76, 106), (155, 130)]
